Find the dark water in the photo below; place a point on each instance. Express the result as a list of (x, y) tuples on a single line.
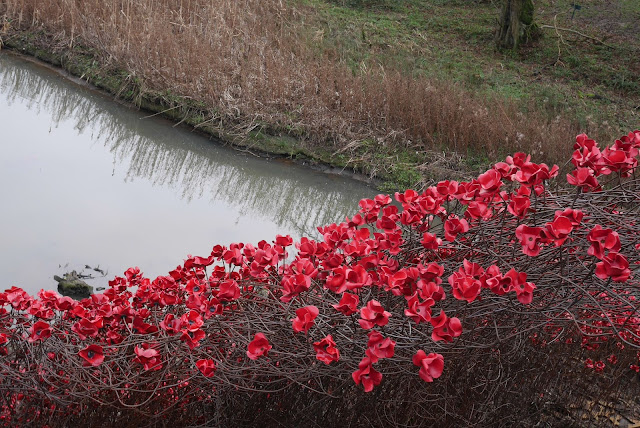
[(86, 181)]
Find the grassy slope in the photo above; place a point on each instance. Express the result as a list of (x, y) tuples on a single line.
[(452, 40)]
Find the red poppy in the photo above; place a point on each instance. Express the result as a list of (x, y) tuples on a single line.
[(407, 197), (584, 178), (348, 304), (367, 375), (87, 328), (400, 283), (447, 188), (519, 205), (336, 282), (389, 218), (478, 210), (445, 328), (529, 238), (233, 255), (379, 347), (614, 266), (490, 181), (357, 277), (292, 285), (207, 367), (464, 287), (326, 350), (373, 314), (431, 365), (284, 241), (558, 230), (430, 241), (228, 291), (192, 337), (191, 321), (587, 153), (148, 357), (18, 298), (92, 355), (304, 319), (574, 215), (258, 347), (431, 290), (617, 160), (454, 226), (524, 292), (39, 331), (602, 241)]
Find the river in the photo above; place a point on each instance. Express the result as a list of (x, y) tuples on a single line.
[(87, 181)]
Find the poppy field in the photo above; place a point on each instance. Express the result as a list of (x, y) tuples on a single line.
[(463, 304)]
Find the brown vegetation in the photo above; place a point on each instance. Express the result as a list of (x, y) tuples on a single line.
[(252, 67)]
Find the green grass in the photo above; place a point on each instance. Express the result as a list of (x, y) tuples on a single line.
[(453, 40)]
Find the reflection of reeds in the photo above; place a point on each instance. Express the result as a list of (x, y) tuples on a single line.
[(193, 167), (249, 61)]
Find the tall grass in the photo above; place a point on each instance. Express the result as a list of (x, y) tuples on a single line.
[(251, 64)]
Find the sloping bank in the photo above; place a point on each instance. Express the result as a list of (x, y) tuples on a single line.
[(86, 64)]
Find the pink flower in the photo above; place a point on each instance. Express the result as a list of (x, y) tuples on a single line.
[(93, 355), (373, 314), (431, 365), (367, 375), (207, 367), (304, 318), (326, 350), (258, 347)]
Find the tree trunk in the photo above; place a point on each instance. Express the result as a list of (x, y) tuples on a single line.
[(516, 24)]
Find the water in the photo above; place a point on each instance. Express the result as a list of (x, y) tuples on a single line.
[(86, 181)]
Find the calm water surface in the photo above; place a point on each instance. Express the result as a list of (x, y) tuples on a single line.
[(86, 181)]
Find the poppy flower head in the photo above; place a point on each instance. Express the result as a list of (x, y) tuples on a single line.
[(431, 365), (326, 350), (92, 355), (206, 366), (258, 347), (304, 319), (367, 375)]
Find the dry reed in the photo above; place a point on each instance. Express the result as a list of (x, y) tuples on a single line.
[(250, 64)]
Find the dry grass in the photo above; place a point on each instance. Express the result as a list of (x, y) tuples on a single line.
[(249, 62)]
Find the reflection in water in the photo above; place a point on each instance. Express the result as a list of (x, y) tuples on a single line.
[(151, 175)]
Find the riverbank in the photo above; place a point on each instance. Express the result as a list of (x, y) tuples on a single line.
[(82, 66), (401, 92)]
